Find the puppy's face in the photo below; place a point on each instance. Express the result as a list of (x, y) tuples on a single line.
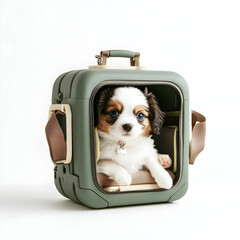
[(126, 113)]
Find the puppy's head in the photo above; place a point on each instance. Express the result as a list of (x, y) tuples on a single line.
[(126, 113)]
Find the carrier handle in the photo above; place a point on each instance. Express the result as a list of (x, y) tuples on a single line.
[(134, 56)]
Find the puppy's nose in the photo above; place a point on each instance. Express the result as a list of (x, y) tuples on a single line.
[(127, 127)]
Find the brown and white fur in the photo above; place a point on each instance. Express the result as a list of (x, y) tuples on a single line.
[(125, 118)]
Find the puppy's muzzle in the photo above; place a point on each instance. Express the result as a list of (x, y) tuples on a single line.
[(127, 127)]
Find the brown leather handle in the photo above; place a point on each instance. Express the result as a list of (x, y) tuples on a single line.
[(197, 143), (57, 143), (134, 56)]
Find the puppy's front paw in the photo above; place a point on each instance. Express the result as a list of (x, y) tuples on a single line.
[(164, 160), (122, 177), (164, 181)]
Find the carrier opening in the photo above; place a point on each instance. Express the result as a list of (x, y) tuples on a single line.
[(127, 125)]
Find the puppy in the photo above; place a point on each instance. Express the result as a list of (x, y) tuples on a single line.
[(125, 117)]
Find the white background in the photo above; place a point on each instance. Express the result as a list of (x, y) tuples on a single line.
[(39, 40)]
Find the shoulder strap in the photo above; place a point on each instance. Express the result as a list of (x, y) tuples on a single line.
[(198, 135), (57, 144), (55, 138)]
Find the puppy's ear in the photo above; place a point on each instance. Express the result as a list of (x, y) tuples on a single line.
[(156, 116), (100, 101), (145, 92)]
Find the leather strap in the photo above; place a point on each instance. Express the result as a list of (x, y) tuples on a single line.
[(198, 135), (57, 143), (55, 138)]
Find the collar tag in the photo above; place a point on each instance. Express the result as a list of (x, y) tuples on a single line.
[(121, 149)]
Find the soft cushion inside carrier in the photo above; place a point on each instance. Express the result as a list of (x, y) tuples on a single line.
[(166, 143)]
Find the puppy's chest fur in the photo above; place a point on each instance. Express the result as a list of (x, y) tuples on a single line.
[(133, 157)]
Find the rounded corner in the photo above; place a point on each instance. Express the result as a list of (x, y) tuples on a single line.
[(179, 194)]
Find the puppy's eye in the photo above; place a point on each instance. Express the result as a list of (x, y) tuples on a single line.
[(140, 116), (114, 113)]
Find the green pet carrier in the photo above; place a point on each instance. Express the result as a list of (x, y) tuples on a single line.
[(74, 142)]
